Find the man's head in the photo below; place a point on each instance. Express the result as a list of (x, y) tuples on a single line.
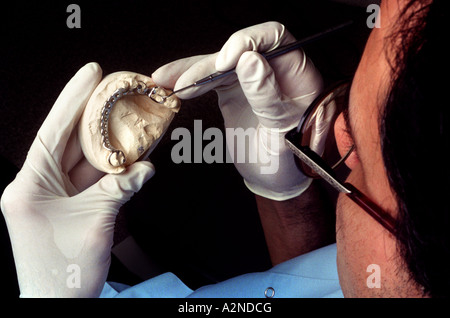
[(396, 89)]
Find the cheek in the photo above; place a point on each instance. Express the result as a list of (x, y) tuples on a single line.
[(353, 220), (354, 249), (360, 240), (352, 232), (346, 268), (344, 142)]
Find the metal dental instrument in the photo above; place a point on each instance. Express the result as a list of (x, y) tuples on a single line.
[(268, 56)]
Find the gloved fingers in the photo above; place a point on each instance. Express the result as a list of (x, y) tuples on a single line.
[(167, 75), (116, 189), (41, 173), (196, 72), (63, 117), (184, 72), (260, 86), (295, 73), (201, 68), (261, 38)]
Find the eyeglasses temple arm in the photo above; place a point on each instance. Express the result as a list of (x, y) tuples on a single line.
[(371, 208), (308, 156)]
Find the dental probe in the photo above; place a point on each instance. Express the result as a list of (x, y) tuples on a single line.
[(268, 56)]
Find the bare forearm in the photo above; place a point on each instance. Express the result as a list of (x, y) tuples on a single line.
[(296, 226)]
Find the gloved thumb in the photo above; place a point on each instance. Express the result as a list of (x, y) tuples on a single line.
[(119, 188)]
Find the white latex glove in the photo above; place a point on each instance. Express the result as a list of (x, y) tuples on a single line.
[(61, 237), (268, 98)]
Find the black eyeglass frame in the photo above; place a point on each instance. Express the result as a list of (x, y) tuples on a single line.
[(326, 172)]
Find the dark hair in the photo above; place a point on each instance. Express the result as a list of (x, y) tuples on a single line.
[(415, 141)]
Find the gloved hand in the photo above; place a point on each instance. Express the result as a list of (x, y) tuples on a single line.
[(265, 99), (61, 237)]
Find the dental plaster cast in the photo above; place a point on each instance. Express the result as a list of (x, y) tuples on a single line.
[(114, 138)]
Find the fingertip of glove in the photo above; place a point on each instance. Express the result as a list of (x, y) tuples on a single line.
[(250, 57), (252, 67), (131, 180), (221, 64), (157, 76), (93, 68), (228, 57), (144, 168), (87, 77)]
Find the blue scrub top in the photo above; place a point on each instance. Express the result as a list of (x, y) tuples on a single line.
[(312, 275)]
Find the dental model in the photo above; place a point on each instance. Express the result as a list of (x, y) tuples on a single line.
[(124, 120)]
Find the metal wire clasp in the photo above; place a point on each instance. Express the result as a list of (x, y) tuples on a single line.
[(156, 97)]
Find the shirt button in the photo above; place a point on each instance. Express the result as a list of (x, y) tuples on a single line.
[(269, 292)]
